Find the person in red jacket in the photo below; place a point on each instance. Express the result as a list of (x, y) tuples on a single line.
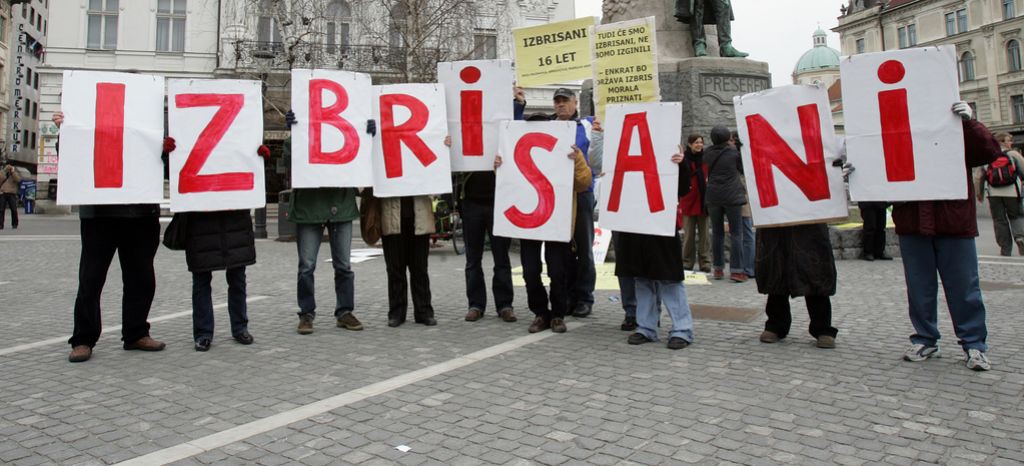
[(695, 215), (939, 236)]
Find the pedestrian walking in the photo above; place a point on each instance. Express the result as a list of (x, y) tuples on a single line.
[(1003, 182), (9, 182)]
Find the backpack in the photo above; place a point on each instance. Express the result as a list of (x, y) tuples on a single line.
[(1002, 171)]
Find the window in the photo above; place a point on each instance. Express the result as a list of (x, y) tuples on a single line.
[(339, 16), (902, 33), (950, 24), (1008, 11), (33, 140), (32, 17), (399, 13), (170, 26), (967, 67), (35, 82), (102, 24), (907, 36), (1017, 107), (485, 46), (961, 20), (912, 34), (860, 45), (1013, 55), (267, 29)]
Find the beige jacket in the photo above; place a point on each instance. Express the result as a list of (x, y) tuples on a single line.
[(391, 215), (581, 180), (998, 191), (10, 181)]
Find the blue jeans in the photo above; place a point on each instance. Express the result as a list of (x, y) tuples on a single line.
[(202, 303), (582, 275), (749, 247), (956, 260), (477, 223), (308, 237), (718, 215), (673, 294)]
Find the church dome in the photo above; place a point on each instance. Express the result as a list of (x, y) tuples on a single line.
[(821, 57)]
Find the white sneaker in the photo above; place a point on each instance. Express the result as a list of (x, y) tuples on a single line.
[(977, 361), (919, 352)]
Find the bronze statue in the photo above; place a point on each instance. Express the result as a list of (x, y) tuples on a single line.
[(698, 13)]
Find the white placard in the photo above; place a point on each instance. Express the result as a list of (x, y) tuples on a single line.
[(333, 106), (641, 189), (789, 147), (901, 135), (479, 96), (218, 126), (534, 184), (409, 155), (111, 139)]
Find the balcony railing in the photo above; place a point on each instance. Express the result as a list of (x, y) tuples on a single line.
[(361, 58)]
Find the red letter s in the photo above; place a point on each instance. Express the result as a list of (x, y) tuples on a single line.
[(545, 191)]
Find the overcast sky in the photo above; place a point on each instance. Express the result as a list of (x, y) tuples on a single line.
[(776, 31)]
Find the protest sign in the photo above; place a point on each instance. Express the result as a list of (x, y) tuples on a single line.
[(409, 155), (330, 146), (901, 135), (479, 95), (218, 126), (553, 53), (111, 139), (639, 142), (625, 63), (788, 151), (534, 184)]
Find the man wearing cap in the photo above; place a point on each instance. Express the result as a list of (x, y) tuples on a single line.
[(581, 268)]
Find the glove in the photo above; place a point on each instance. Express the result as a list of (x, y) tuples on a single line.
[(844, 165), (264, 152), (169, 145), (371, 127), (289, 119), (963, 110)]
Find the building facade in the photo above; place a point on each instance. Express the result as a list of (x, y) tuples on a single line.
[(30, 25), (819, 65), (987, 34), (5, 73)]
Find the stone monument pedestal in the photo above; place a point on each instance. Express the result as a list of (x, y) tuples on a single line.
[(706, 87)]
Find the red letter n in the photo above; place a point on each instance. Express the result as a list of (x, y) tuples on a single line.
[(108, 143), (189, 179), (545, 191), (392, 137), (770, 150), (645, 162), (320, 115)]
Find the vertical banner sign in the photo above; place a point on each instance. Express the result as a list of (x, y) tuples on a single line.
[(533, 193), (409, 155), (790, 147), (639, 142), (901, 135), (625, 63), (330, 146), (479, 96), (218, 126), (111, 139), (553, 53)]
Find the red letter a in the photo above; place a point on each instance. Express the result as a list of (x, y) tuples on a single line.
[(319, 116), (545, 191), (108, 143), (392, 136), (769, 149), (645, 162)]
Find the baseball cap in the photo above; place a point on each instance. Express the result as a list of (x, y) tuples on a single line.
[(564, 92)]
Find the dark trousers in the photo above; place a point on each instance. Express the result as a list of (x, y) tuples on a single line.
[(582, 274), (556, 255), (477, 223), (202, 303), (407, 252), (719, 214), (819, 308), (9, 200), (135, 241), (873, 234)]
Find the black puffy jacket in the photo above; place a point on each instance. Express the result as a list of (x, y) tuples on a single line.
[(219, 240)]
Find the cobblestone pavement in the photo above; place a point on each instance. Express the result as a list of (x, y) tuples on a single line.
[(486, 392)]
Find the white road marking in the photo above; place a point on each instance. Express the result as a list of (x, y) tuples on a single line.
[(110, 330), (244, 431), (6, 238), (1015, 264)]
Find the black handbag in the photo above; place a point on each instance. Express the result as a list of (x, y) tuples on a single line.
[(174, 235)]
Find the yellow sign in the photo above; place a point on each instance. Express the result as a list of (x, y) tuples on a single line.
[(553, 52), (625, 63)]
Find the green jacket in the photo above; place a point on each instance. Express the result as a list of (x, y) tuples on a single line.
[(320, 205)]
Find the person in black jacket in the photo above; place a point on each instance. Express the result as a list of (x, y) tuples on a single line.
[(133, 232), (725, 197), (220, 240)]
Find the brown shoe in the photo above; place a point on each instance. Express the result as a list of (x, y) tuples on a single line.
[(738, 277), (826, 341), (80, 353), (719, 274), (474, 315), (507, 315), (539, 324), (347, 322), (145, 343), (558, 325), (769, 336), (305, 324)]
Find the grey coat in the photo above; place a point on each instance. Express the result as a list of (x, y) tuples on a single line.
[(725, 176)]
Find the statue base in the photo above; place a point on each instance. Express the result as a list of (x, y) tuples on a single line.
[(706, 87)]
